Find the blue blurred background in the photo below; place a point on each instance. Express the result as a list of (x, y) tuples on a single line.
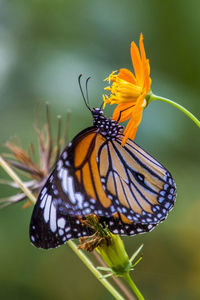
[(44, 46)]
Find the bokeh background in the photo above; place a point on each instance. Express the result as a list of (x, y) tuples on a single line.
[(44, 46)]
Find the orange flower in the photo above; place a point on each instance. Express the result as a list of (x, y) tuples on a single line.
[(128, 91)]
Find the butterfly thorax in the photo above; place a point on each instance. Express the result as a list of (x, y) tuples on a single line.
[(107, 127)]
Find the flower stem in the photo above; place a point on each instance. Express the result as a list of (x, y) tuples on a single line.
[(180, 107), (127, 277), (16, 178), (73, 246), (129, 295), (97, 274)]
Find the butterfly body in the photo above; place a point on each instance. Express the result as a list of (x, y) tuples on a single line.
[(128, 189)]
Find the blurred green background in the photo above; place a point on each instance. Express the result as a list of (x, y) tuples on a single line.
[(44, 46)]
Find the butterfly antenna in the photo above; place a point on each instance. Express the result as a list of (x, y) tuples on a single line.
[(83, 95), (101, 105), (86, 87)]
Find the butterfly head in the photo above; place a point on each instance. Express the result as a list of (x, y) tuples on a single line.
[(110, 129), (107, 127)]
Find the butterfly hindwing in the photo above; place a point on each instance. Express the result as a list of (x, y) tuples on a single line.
[(140, 187)]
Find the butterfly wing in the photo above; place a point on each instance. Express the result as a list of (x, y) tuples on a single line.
[(72, 191), (141, 189)]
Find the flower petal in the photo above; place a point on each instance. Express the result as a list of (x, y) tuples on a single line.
[(137, 63), (122, 112), (127, 75), (130, 131), (142, 50), (132, 126)]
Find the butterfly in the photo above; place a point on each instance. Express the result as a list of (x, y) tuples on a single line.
[(125, 187)]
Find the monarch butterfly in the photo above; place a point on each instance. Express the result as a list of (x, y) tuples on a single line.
[(127, 188)]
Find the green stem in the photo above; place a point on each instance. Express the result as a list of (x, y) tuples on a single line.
[(16, 179), (97, 274), (127, 277), (152, 97), (73, 246)]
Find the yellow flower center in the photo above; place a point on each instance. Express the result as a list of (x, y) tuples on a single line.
[(123, 91)]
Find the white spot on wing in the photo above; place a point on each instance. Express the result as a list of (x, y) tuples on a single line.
[(47, 208), (60, 232), (43, 192), (60, 173), (32, 238), (59, 164), (53, 225), (61, 222), (71, 190), (79, 198), (42, 204), (87, 211), (112, 208), (64, 155), (64, 180)]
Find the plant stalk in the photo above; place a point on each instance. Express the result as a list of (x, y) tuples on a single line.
[(16, 178), (153, 97), (129, 295), (127, 277), (96, 273)]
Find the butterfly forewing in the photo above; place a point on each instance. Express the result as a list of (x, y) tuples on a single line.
[(71, 193)]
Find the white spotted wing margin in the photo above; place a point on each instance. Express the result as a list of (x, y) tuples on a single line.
[(55, 217), (56, 231)]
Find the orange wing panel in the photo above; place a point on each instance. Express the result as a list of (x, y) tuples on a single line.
[(105, 201), (110, 184), (78, 175), (134, 205), (81, 149), (120, 192), (153, 182), (87, 181), (104, 162), (91, 178), (117, 165), (125, 220)]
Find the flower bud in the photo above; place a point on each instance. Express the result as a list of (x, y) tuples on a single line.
[(114, 255)]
